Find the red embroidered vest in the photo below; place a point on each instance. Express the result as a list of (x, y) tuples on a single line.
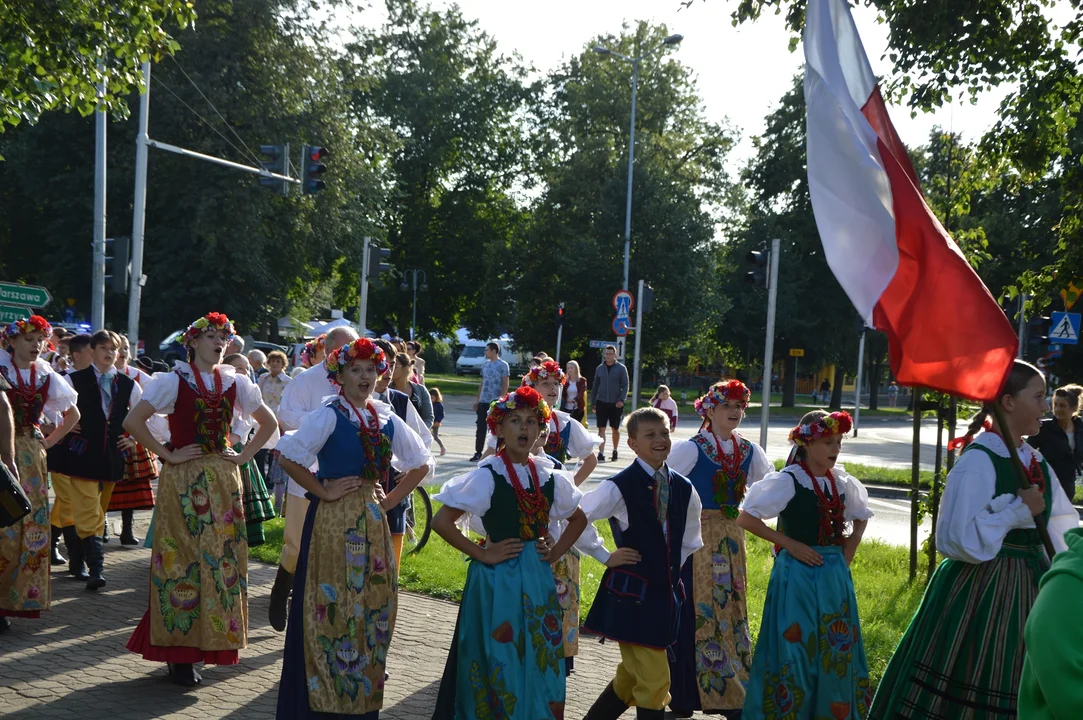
[(27, 409), (192, 422)]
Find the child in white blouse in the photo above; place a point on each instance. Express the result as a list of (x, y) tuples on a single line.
[(810, 657)]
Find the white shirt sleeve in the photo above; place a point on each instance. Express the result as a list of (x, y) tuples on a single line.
[(566, 496), (161, 392), (972, 523), (683, 457), (304, 445), (159, 428), (693, 538), (137, 395), (249, 398), (581, 443), (294, 404), (408, 449), (61, 396), (768, 497), (590, 543), (1063, 517), (760, 467), (413, 419), (604, 502), (472, 492), (857, 497)]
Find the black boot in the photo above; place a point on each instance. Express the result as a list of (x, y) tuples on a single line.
[(126, 536), (92, 549), (184, 674), (76, 560), (57, 558), (608, 706), (280, 597), (645, 714)]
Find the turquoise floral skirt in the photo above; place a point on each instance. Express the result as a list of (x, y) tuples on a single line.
[(507, 657), (809, 661)]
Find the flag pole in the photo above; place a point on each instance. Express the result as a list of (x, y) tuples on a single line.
[(1024, 479)]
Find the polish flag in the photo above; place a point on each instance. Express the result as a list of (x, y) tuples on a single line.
[(900, 268)]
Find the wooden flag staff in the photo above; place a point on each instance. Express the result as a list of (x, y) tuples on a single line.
[(1024, 479)]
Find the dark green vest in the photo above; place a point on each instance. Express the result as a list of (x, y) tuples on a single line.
[(505, 520), (800, 519), (1007, 483)]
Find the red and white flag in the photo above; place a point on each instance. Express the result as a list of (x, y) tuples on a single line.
[(898, 265)]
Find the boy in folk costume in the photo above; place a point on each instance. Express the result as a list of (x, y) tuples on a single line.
[(35, 391), (655, 515), (135, 490), (91, 457), (809, 661), (713, 654), (346, 583), (508, 637), (567, 440), (199, 565), (962, 656)]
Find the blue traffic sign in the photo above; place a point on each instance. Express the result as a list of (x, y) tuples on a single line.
[(1064, 328), (620, 326)]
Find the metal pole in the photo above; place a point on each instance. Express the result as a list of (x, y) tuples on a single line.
[(769, 341), (631, 160), (639, 343), (1022, 325), (915, 474), (97, 286), (413, 321), (139, 206), (857, 387), (362, 311), (560, 336), (937, 467)]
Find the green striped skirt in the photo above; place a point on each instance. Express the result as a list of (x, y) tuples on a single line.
[(258, 503), (962, 656)]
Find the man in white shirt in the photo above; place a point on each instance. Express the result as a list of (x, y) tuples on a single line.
[(302, 395)]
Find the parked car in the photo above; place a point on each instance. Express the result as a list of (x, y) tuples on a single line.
[(472, 356), (171, 349)]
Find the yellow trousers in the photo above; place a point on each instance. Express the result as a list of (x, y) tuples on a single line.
[(61, 515), (296, 509), (642, 678), (396, 541), (89, 499)]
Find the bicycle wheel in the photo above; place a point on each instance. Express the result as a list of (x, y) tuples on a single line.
[(418, 521)]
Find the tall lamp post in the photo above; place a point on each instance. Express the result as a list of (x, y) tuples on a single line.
[(601, 50), (413, 273)]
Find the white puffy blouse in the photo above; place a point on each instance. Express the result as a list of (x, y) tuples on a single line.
[(770, 496), (161, 389)]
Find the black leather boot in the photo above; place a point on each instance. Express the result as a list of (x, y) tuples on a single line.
[(280, 597), (76, 561), (608, 706), (95, 558), (57, 558), (645, 714), (126, 535), (184, 674)]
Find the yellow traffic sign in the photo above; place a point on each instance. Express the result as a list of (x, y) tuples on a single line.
[(797, 352)]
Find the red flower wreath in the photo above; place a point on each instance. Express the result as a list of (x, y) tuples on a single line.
[(720, 392), (210, 321), (548, 369), (34, 323), (362, 349), (524, 397)]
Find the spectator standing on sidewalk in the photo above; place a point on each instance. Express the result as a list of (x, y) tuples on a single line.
[(610, 392), (574, 399), (495, 375)]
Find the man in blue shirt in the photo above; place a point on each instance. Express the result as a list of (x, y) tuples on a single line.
[(495, 374)]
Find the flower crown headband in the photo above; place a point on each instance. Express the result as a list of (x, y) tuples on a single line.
[(210, 321), (34, 323), (837, 423), (548, 369), (719, 393), (362, 349), (524, 397), (312, 347)]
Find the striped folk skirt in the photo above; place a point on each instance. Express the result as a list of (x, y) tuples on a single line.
[(962, 656), (258, 503), (135, 492)]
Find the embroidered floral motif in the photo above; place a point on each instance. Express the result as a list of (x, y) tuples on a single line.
[(837, 641), (378, 632), (713, 666), (744, 643), (346, 662), (545, 625), (196, 505), (782, 697), (729, 485), (492, 701), (226, 574), (179, 600), (357, 555), (863, 696)]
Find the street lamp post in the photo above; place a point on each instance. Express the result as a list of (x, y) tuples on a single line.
[(601, 50), (413, 274)]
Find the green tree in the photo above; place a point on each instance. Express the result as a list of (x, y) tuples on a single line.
[(53, 55)]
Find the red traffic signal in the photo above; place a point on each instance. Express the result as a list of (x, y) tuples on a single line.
[(312, 169)]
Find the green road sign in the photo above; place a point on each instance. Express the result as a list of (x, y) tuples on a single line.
[(25, 295), (11, 313)]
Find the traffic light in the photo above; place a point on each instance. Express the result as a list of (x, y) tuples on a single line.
[(312, 168), (758, 274), (376, 261), (278, 162), (647, 301), (1038, 331), (116, 263), (560, 315)]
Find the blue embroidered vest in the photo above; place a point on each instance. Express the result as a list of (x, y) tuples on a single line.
[(343, 454), (715, 488)]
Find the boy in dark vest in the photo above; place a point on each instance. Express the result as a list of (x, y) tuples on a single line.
[(91, 457), (656, 512)]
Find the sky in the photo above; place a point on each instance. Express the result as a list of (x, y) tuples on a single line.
[(741, 72)]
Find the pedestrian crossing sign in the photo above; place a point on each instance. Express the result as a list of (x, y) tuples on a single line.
[(1064, 328)]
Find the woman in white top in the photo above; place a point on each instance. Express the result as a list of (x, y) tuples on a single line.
[(964, 647)]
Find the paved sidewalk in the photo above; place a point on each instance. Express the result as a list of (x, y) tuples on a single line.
[(72, 663)]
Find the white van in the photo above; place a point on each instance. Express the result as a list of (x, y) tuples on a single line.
[(472, 356)]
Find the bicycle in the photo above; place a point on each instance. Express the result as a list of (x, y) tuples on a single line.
[(418, 521)]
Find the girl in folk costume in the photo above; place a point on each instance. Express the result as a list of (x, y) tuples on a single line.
[(346, 583), (35, 391), (567, 440), (509, 653), (257, 500), (713, 655), (135, 492), (199, 566), (962, 656), (809, 661)]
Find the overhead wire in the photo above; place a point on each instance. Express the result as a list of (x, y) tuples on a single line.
[(196, 113)]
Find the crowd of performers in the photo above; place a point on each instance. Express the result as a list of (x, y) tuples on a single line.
[(674, 592)]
